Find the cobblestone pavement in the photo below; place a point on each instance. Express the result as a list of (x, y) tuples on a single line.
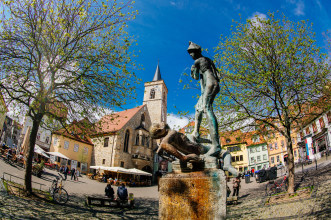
[(251, 201)]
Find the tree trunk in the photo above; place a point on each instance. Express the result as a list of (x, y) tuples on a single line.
[(290, 163), (28, 169)]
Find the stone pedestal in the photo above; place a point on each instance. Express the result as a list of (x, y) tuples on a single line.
[(193, 195)]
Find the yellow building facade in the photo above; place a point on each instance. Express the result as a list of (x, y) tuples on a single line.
[(71, 150), (234, 142)]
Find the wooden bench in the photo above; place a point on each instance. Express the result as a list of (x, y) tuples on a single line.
[(102, 201)]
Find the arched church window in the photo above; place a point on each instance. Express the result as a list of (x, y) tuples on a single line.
[(143, 140), (126, 141), (142, 122), (137, 139), (152, 94), (147, 141)]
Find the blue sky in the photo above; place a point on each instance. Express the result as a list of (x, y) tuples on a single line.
[(163, 29)]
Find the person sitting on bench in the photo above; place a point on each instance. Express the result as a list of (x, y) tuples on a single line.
[(109, 191), (122, 193)]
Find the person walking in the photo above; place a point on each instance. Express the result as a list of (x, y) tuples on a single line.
[(236, 186), (65, 172), (76, 175), (73, 173)]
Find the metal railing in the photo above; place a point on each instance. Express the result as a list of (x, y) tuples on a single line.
[(17, 177)]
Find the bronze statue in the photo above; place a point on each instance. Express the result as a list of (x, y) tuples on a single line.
[(186, 150), (204, 70)]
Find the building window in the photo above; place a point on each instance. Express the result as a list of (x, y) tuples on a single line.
[(85, 150), (38, 136), (55, 141), (314, 127), (106, 142), (47, 140), (264, 157), (152, 94), (258, 158), (233, 159), (272, 160), (122, 164), (147, 141), (143, 140), (276, 146), (322, 124), (252, 150), (278, 159), (307, 131), (283, 143), (137, 139), (271, 147), (142, 121), (256, 139), (241, 157), (252, 160), (258, 149), (126, 141), (76, 148), (66, 145), (103, 161), (264, 148)]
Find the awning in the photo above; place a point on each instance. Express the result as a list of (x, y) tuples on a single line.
[(39, 150), (139, 172), (58, 154), (117, 169)]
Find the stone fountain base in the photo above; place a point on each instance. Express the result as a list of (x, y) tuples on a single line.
[(193, 195)]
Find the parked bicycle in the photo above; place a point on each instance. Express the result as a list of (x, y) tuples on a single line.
[(59, 194), (273, 187)]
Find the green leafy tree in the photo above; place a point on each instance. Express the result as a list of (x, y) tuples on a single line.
[(65, 59), (271, 69)]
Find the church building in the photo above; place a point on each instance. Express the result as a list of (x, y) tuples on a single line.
[(122, 139)]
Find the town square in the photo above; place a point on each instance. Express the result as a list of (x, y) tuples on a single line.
[(165, 109)]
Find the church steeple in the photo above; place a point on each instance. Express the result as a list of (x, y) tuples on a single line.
[(157, 75)]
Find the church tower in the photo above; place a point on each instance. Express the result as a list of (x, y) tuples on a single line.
[(155, 97)]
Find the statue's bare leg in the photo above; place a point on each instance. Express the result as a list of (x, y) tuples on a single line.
[(198, 119), (227, 164), (173, 151)]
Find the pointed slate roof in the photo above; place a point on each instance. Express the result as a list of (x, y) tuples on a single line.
[(157, 75)]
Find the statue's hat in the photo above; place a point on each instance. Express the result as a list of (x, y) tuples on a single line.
[(193, 46)]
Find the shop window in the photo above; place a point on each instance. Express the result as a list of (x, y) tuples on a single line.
[(103, 161), (106, 142)]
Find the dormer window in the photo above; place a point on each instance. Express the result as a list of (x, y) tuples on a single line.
[(152, 94), (228, 140)]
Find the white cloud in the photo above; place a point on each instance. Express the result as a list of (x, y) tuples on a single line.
[(177, 122), (299, 6)]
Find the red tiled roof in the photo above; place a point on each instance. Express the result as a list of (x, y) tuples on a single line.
[(114, 122)]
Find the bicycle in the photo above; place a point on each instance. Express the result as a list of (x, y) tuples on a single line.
[(273, 187), (59, 194)]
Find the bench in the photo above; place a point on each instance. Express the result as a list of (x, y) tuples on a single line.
[(102, 201)]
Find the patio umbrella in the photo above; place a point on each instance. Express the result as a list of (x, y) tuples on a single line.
[(40, 151), (139, 172)]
